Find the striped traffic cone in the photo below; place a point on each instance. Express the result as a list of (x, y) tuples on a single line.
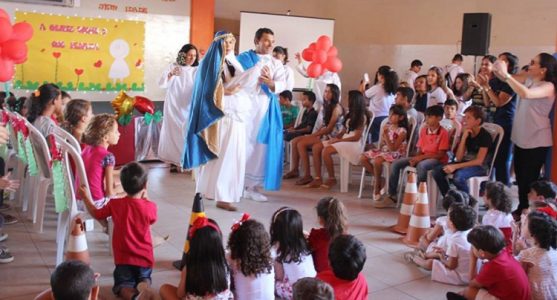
[(197, 210), (77, 243), (410, 196), (419, 222)]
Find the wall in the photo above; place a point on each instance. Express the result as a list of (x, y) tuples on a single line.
[(167, 26), (370, 33)]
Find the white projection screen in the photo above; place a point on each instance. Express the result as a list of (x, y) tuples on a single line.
[(292, 32)]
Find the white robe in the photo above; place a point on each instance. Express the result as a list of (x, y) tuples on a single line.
[(260, 104), (176, 113), (222, 179)]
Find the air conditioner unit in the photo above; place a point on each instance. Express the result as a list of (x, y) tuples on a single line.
[(70, 3)]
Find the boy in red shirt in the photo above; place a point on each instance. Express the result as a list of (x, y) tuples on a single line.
[(501, 276), (433, 144), (347, 256), (133, 216)]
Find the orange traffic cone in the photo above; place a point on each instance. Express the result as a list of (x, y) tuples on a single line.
[(410, 196), (77, 243), (419, 222), (197, 210)]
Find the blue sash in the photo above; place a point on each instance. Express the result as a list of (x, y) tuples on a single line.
[(270, 130)]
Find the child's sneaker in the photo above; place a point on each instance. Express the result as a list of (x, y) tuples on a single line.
[(4, 207), (5, 257), (3, 236), (9, 219)]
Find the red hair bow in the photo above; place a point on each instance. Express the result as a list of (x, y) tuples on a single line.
[(239, 223), (199, 223), (5, 117)]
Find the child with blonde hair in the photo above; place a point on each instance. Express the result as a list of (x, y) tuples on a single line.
[(101, 132), (332, 218), (77, 115)]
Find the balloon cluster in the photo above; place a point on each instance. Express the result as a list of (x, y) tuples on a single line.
[(323, 56), (12, 44), (124, 105)]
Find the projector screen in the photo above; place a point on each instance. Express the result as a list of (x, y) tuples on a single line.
[(293, 32)]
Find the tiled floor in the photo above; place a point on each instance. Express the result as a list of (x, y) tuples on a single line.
[(388, 275)]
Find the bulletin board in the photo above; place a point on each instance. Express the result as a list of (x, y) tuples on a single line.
[(83, 53)]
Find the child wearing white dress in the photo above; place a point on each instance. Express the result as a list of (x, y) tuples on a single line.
[(348, 143), (451, 266), (291, 251), (250, 261), (499, 204), (540, 261)]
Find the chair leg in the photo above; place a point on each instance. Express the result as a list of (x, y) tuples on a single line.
[(433, 194), (61, 234), (110, 232), (362, 182), (344, 175), (41, 203)]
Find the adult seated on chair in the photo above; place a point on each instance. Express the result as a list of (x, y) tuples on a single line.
[(333, 120), (308, 118), (471, 156), (433, 144)]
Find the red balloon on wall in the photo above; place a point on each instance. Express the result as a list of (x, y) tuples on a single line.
[(312, 46), (4, 14), (14, 49), (20, 61), (314, 70), (333, 51), (6, 69), (324, 43), (333, 64), (319, 56), (144, 105), (5, 29), (22, 31), (307, 54)]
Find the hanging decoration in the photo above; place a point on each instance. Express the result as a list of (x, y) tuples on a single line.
[(58, 178), (322, 56)]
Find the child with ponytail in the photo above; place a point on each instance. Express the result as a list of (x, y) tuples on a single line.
[(332, 217)]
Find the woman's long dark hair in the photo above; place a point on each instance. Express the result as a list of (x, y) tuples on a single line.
[(185, 49), (513, 64), (391, 79), (287, 231), (464, 77), (356, 110), (330, 106), (549, 62), (41, 98), (250, 245), (206, 266)]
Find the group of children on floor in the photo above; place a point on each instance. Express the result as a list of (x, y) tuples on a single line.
[(500, 257), (284, 263)]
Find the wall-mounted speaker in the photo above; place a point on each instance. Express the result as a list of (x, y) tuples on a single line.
[(476, 32)]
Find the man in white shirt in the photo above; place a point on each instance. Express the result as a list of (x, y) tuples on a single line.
[(411, 74), (273, 81), (454, 68)]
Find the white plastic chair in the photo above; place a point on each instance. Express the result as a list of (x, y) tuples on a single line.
[(64, 218), (345, 172), (68, 136), (497, 134), (44, 179), (19, 167)]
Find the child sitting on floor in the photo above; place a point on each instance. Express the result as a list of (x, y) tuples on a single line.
[(290, 250), (332, 218), (312, 289), (501, 277), (250, 260), (540, 261), (132, 245), (347, 256), (499, 204), (451, 265)]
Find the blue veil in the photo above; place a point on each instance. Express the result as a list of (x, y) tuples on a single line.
[(201, 143)]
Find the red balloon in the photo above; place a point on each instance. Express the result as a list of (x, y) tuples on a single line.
[(14, 50), (307, 54), (324, 43), (144, 105), (333, 51), (4, 14), (6, 70), (314, 70), (22, 31), (20, 61), (5, 29), (319, 56), (333, 64), (312, 46)]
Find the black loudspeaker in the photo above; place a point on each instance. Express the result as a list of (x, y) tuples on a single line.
[(476, 32)]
